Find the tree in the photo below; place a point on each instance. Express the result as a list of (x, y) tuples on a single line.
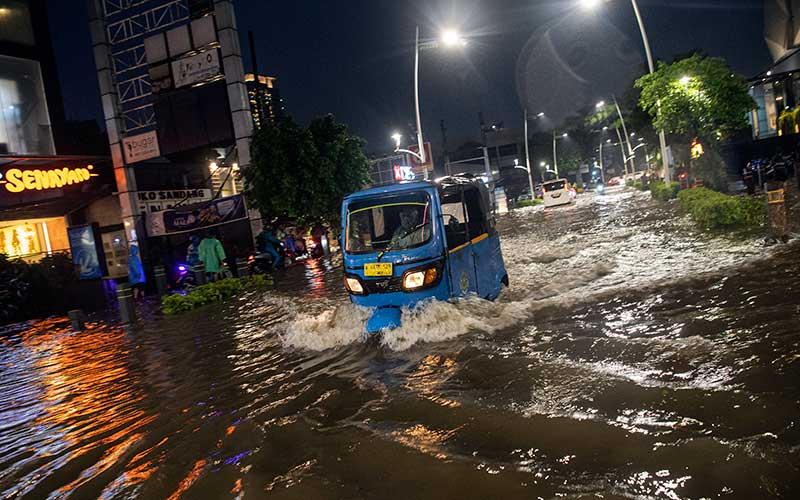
[(696, 97), (303, 173)]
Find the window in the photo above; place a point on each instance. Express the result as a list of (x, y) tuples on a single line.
[(24, 121), (455, 220), (15, 22), (476, 214), (389, 224)]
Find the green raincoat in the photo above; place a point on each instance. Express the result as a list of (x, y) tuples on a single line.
[(211, 254)]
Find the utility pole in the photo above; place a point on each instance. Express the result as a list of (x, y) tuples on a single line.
[(444, 148)]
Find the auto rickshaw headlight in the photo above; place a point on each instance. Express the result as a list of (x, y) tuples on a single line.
[(353, 285), (415, 280)]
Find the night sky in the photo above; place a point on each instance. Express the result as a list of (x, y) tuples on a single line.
[(354, 58)]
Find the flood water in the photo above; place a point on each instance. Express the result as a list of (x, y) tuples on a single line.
[(632, 357)]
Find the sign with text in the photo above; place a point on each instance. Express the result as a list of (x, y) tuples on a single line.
[(156, 201), (200, 216), (196, 68), (17, 180), (141, 147)]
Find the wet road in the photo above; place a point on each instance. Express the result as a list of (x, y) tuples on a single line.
[(632, 357)]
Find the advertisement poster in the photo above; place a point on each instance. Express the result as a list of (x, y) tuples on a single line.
[(197, 217), (86, 255)]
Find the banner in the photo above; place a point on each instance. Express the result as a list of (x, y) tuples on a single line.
[(87, 253), (197, 217)]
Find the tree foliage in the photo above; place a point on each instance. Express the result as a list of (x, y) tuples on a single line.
[(697, 96), (303, 173)]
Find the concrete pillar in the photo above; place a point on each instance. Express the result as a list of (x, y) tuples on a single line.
[(161, 280), (127, 307), (126, 180), (242, 267), (76, 320), (199, 274)]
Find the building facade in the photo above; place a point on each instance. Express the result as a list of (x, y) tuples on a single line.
[(175, 100), (48, 203)]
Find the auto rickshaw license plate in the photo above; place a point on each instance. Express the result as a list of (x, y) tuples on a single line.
[(380, 269)]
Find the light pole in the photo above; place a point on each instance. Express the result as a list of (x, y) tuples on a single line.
[(527, 152), (555, 149), (530, 178), (589, 4), (450, 38)]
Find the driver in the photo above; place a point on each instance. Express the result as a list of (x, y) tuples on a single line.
[(411, 232)]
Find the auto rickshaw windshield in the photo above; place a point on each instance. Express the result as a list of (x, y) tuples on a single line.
[(388, 223)]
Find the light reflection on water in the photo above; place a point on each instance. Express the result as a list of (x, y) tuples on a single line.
[(602, 371)]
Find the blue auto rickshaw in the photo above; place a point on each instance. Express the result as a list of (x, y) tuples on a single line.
[(413, 242)]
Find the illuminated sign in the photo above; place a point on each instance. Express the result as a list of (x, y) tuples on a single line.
[(17, 180), (403, 173)]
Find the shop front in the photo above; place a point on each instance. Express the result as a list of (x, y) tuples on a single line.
[(62, 205)]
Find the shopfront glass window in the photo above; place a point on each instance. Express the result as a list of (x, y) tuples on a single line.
[(15, 22), (765, 118), (24, 120)]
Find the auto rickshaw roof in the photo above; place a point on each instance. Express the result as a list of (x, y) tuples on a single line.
[(441, 183)]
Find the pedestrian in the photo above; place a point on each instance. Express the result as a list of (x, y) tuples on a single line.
[(192, 251), (212, 255), (136, 276)]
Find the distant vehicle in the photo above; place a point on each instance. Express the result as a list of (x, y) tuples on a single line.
[(409, 243), (615, 181), (557, 193)]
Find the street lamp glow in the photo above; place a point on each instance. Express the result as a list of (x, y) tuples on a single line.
[(633, 134), (397, 138), (565, 135), (590, 4), (685, 80), (452, 38), (605, 128), (600, 104), (542, 164), (540, 114)]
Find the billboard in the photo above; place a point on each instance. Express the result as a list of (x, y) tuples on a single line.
[(87, 251)]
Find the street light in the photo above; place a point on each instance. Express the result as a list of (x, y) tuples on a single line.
[(600, 104), (450, 38), (685, 81), (590, 4), (527, 152), (555, 149)]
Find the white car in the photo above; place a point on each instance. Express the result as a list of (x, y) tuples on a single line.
[(557, 193)]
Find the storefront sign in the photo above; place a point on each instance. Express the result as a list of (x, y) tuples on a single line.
[(195, 69), (87, 251), (141, 147), (156, 201), (213, 213), (18, 180)]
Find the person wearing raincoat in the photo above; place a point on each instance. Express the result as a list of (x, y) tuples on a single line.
[(136, 276), (212, 255)]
